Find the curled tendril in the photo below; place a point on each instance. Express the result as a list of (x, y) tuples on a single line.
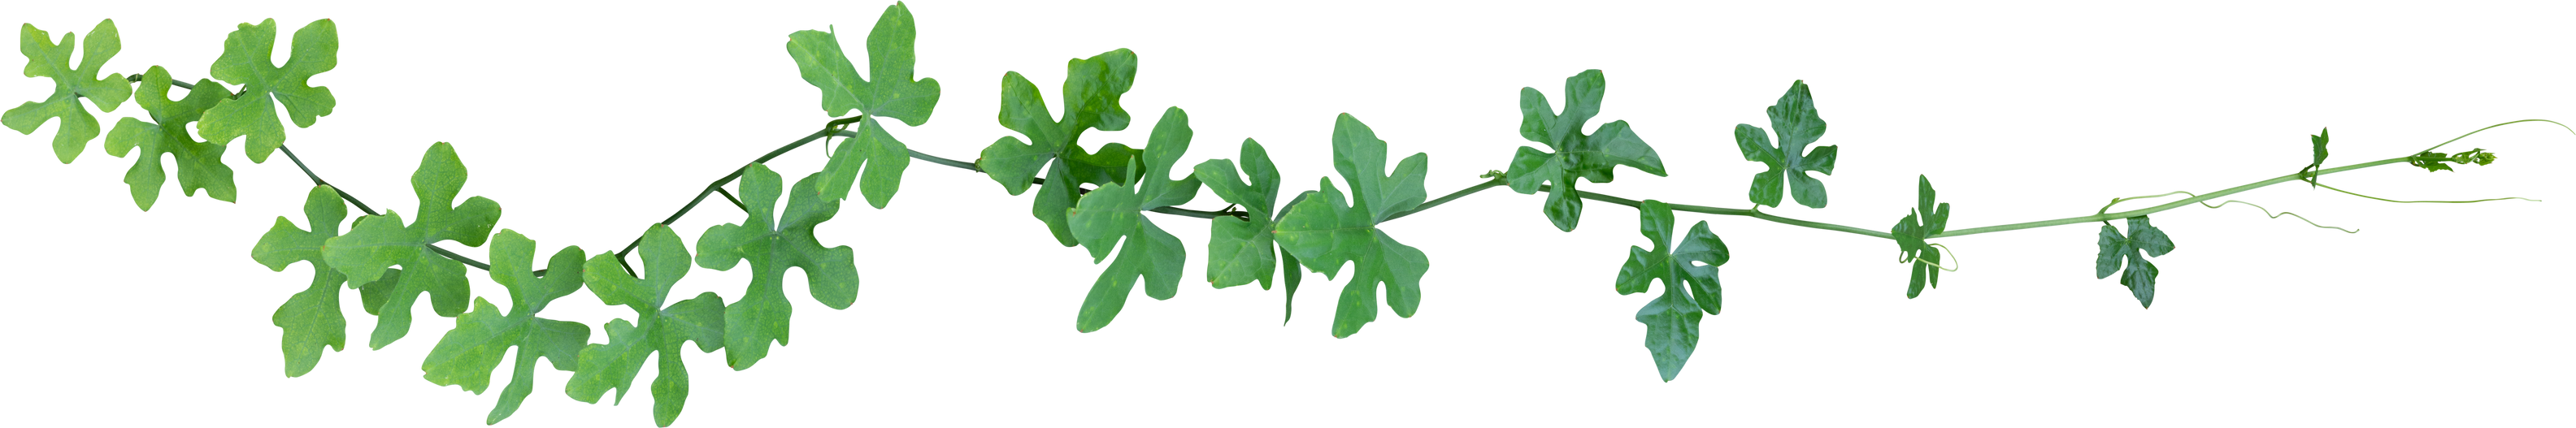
[(2266, 211)]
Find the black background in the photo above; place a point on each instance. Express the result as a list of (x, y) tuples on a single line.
[(589, 128)]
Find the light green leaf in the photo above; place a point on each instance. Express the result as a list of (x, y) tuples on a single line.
[(1117, 212), (614, 365), (1010, 163), (466, 355), (48, 59), (1091, 91), (1325, 231), (884, 91), (1113, 164), (245, 62), (311, 319), (2140, 276), (1241, 250), (1577, 155), (201, 164), (1795, 119), (774, 241), (872, 149), (379, 242), (1689, 274), (894, 93), (1926, 220)]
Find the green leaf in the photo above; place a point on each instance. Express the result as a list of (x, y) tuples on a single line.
[(1091, 91), (664, 329), (889, 86), (1926, 220), (1672, 330), (1289, 277), (466, 355), (1241, 250), (1117, 212), (245, 62), (201, 164), (884, 91), (2310, 173), (2140, 276), (311, 319), (1794, 118), (1689, 274), (774, 241), (877, 152), (48, 59), (2438, 161), (381, 241), (1577, 155), (1326, 231)]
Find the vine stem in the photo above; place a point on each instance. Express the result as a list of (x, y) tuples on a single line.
[(836, 128)]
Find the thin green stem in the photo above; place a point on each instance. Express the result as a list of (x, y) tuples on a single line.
[(719, 185), (2552, 122), (362, 207), (969, 166), (2422, 202), (1452, 196), (2267, 212), (2161, 208)]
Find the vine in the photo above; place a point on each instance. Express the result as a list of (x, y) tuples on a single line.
[(1240, 215)]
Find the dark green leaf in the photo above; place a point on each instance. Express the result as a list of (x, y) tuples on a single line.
[(2310, 173), (1926, 220), (1325, 232), (1795, 119), (1689, 274), (1091, 91), (1241, 250), (1577, 155), (2140, 276)]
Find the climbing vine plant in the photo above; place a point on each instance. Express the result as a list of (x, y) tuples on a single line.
[(1113, 200)]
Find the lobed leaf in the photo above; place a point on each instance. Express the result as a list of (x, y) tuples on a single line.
[(1091, 91), (253, 113), (1591, 157), (662, 329), (1794, 119), (467, 354), (1926, 220), (201, 164), (1242, 250), (377, 243), (1689, 275), (2139, 276), (49, 59), (1324, 231), (893, 93), (311, 319), (1115, 213), (774, 241)]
